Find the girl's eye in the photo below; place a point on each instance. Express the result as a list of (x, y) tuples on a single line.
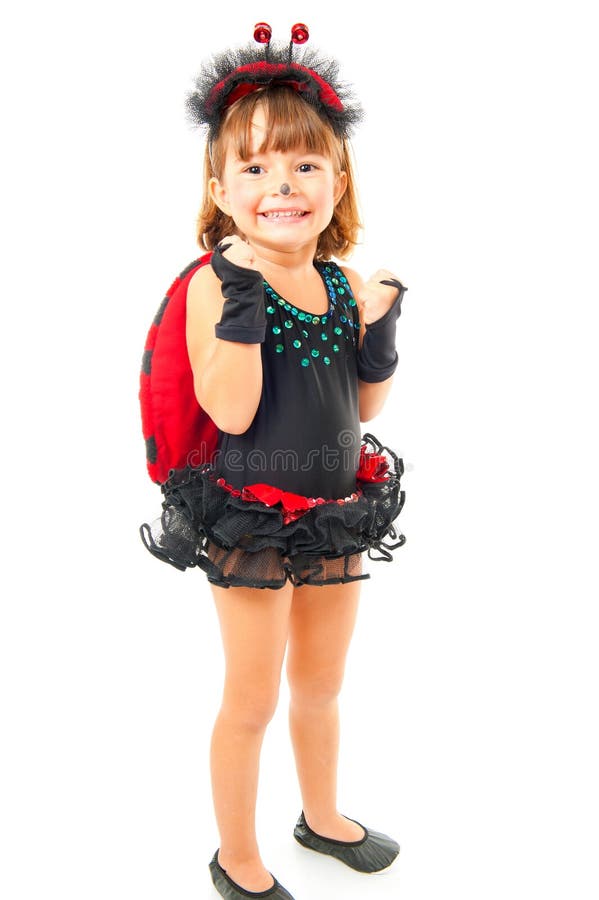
[(254, 170), (307, 167)]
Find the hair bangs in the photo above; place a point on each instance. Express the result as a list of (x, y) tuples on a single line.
[(291, 123)]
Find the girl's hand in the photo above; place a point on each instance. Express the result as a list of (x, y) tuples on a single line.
[(376, 299), (238, 252)]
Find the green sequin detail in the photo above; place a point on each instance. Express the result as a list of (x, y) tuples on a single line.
[(340, 295)]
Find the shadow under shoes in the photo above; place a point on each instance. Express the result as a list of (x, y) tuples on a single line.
[(228, 889), (372, 853)]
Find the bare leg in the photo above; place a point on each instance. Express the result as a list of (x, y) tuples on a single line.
[(254, 626), (320, 628)]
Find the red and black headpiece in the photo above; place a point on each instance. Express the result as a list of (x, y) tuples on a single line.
[(230, 75)]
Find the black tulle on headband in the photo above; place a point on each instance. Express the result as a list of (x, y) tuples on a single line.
[(230, 75)]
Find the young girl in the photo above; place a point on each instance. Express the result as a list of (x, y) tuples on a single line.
[(288, 354)]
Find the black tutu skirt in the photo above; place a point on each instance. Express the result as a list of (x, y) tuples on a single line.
[(262, 538)]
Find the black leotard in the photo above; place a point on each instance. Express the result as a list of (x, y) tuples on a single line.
[(305, 436)]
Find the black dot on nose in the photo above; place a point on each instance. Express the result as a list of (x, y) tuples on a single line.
[(285, 189)]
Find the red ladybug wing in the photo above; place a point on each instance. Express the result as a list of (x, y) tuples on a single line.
[(176, 429)]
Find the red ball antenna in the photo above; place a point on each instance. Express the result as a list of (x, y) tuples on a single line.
[(262, 33), (299, 33)]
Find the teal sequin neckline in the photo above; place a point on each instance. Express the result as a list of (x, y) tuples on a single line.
[(340, 299)]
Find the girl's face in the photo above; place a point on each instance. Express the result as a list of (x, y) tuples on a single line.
[(249, 192)]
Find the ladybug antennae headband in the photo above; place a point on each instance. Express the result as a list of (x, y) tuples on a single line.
[(231, 75)]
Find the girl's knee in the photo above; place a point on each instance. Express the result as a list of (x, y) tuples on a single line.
[(250, 710), (314, 689)]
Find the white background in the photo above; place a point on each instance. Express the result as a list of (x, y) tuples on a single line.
[(469, 708)]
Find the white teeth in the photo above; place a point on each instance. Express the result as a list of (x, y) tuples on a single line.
[(286, 214)]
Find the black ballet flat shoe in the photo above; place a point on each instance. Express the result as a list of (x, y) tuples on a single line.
[(372, 853), (228, 889)]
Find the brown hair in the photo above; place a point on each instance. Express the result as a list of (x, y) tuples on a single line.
[(291, 122)]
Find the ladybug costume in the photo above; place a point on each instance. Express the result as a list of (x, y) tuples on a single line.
[(301, 494)]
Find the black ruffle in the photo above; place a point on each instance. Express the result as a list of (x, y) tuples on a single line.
[(243, 542)]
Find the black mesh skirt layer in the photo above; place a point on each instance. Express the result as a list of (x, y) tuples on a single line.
[(242, 542)]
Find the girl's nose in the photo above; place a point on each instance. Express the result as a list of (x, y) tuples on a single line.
[(282, 188)]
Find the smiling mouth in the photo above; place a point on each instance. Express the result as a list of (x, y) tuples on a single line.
[(284, 214)]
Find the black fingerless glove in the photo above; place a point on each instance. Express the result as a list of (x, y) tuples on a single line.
[(243, 318), (377, 357)]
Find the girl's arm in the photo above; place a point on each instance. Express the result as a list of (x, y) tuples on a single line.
[(371, 395), (227, 374)]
